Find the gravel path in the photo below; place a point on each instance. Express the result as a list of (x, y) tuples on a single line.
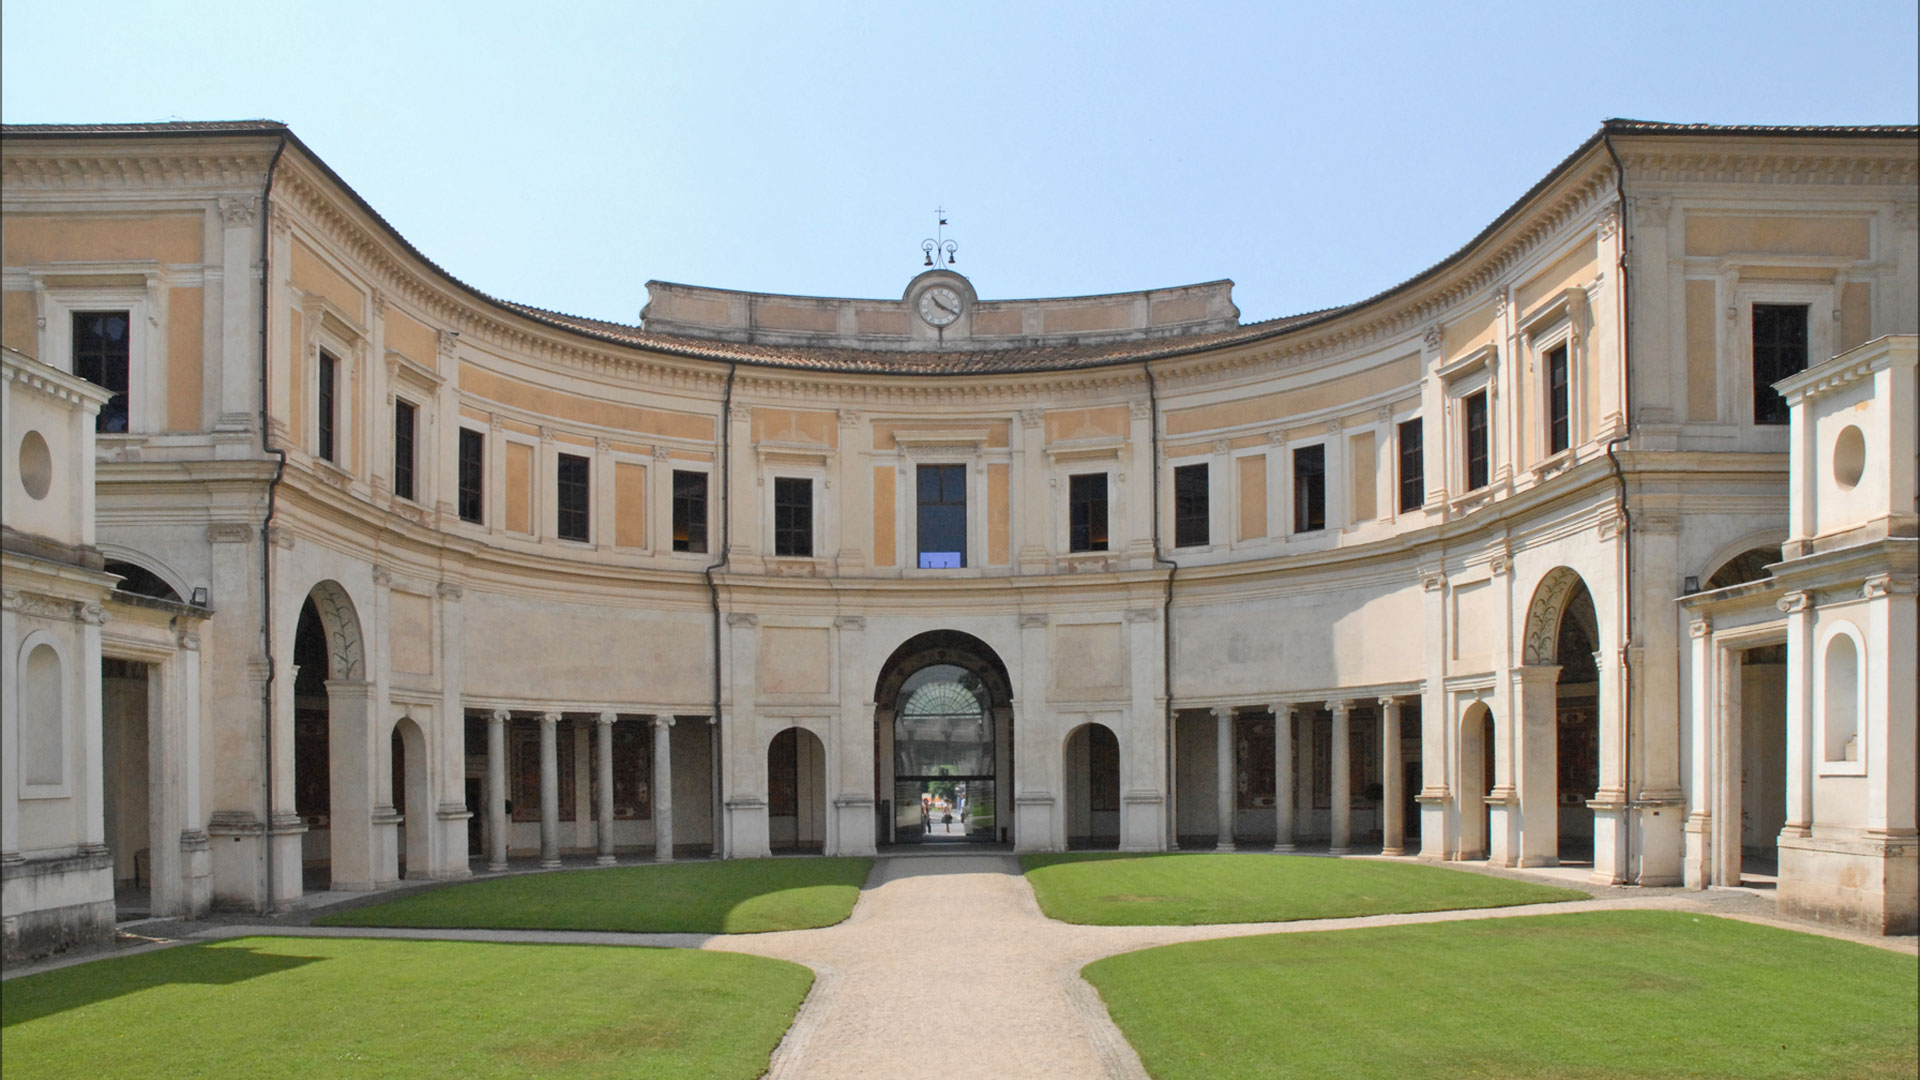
[(947, 967)]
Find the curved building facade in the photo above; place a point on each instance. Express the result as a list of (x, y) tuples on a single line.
[(372, 576)]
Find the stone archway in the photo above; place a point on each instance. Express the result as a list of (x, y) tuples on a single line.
[(1478, 744), (1557, 748), (796, 791), (943, 738), (1092, 787), (334, 780), (412, 798)]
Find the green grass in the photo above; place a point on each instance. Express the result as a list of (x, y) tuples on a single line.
[(737, 896), (1604, 995), (335, 1007), (1107, 889)]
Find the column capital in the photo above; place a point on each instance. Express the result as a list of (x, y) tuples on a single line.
[(500, 716), (1222, 712), (608, 717), (663, 720), (549, 718), (1280, 709), (1339, 707), (1389, 702)]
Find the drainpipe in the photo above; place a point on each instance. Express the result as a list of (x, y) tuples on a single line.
[(1166, 605), (266, 523), (1620, 499), (713, 595)]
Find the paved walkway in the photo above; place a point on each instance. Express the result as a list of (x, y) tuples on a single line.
[(947, 967)]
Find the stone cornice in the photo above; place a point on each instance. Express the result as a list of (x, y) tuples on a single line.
[(215, 163)]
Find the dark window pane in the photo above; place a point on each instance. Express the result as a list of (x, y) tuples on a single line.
[(101, 348), (473, 474), (327, 379), (1191, 527), (792, 516), (1087, 512), (1477, 449), (942, 516), (1309, 488), (1779, 350), (403, 413), (571, 492), (1559, 410), (689, 511), (1413, 467)]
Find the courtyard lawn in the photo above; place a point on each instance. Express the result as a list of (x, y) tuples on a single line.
[(1105, 889), (1585, 996), (339, 1007), (736, 896)]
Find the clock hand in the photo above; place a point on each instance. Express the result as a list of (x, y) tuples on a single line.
[(942, 305)]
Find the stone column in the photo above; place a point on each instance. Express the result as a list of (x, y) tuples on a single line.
[(1393, 821), (1798, 607), (1535, 778), (1341, 792), (1282, 776), (497, 790), (1223, 775), (603, 804), (1303, 769), (663, 788), (549, 791)]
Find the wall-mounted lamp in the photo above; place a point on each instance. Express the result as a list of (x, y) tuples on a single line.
[(1692, 586), (200, 596)]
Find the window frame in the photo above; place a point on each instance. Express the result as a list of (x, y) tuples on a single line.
[(479, 490), (1418, 425), (1102, 507), (326, 406), (1484, 395), (1203, 514), (965, 468), (705, 523), (406, 466), (62, 290), (1738, 392), (1557, 425), (1760, 391), (786, 533), (74, 318), (582, 488), (1298, 501)]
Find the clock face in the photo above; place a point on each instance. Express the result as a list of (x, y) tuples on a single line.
[(939, 306)]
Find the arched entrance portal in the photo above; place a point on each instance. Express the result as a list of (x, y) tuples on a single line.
[(333, 778), (943, 743), (796, 792), (1093, 788)]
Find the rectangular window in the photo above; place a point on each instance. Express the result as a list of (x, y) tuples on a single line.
[(1475, 406), (1779, 350), (1309, 489), (1559, 404), (943, 516), (1413, 467), (793, 517), (473, 475), (1087, 512), (1191, 524), (101, 347), (324, 406), (571, 495), (689, 511), (403, 413)]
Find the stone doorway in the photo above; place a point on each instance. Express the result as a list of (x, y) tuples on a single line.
[(943, 744)]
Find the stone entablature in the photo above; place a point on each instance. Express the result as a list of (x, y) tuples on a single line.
[(839, 322)]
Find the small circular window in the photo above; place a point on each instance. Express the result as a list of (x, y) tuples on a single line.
[(36, 465), (1849, 457)]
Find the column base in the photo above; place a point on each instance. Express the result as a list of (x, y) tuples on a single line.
[(604, 860), (496, 868), (1224, 845), (1282, 849), (1339, 851), (663, 856), (549, 864), (1393, 851)]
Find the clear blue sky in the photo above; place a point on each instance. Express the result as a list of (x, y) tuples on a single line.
[(563, 154)]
